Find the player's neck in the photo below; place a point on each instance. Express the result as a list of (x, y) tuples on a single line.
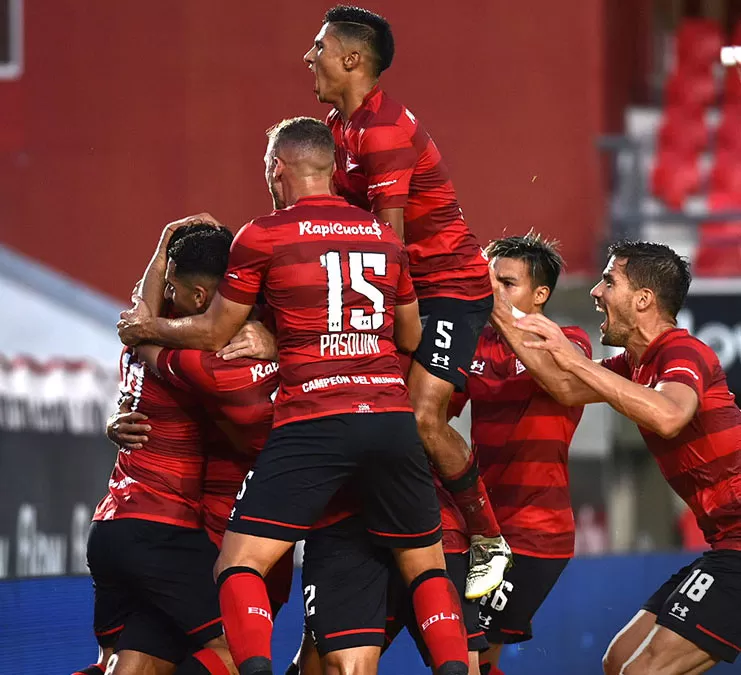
[(307, 187), (352, 98), (643, 336)]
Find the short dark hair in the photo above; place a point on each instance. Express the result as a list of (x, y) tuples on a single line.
[(367, 27), (201, 252), (541, 256), (658, 268), (307, 132)]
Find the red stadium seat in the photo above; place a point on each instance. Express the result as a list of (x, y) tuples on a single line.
[(690, 90), (698, 44), (683, 133), (728, 136), (674, 178), (725, 177), (719, 247)]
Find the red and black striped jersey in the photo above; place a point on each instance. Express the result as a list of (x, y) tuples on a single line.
[(521, 437), (385, 159), (703, 462), (237, 398), (332, 276), (162, 481)]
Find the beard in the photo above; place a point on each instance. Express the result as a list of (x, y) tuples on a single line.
[(278, 201), (617, 331)]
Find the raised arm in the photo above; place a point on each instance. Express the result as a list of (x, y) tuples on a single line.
[(665, 409), (567, 389)]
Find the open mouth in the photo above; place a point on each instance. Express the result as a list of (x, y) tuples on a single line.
[(603, 325)]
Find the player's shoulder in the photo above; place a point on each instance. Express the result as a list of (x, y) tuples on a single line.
[(579, 336), (680, 343), (383, 113)]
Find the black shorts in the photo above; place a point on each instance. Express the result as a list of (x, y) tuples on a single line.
[(140, 567), (702, 603), (401, 610), (154, 633), (354, 595), (506, 614), (304, 463), (450, 332), (345, 578)]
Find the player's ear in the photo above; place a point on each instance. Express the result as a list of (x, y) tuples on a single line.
[(542, 293), (278, 167), (351, 61), (645, 299), (200, 297)]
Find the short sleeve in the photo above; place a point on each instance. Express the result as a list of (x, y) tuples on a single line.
[(388, 159), (187, 369), (405, 294), (683, 362), (457, 402), (249, 259), (618, 364)]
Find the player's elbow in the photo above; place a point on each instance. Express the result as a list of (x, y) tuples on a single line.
[(408, 339), (670, 426)]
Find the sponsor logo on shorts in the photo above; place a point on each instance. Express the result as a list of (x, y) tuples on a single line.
[(679, 612), (439, 617), (478, 367)]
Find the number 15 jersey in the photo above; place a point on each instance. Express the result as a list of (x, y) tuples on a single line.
[(333, 276)]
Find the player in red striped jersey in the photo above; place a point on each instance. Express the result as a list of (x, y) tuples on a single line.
[(521, 437), (672, 385), (147, 551), (387, 163), (314, 257)]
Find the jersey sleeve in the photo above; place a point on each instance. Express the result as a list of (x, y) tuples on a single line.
[(684, 362), (579, 337), (388, 158), (187, 369), (618, 364), (457, 402), (405, 294), (249, 259)]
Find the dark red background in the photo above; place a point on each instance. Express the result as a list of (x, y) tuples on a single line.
[(132, 114)]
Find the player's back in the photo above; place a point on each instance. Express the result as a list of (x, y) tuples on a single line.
[(163, 480), (385, 159), (333, 280)]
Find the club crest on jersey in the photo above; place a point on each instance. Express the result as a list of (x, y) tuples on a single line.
[(351, 164), (477, 367), (519, 367)]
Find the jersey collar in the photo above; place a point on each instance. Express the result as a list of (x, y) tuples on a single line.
[(658, 341)]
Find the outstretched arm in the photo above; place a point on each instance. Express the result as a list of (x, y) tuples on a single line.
[(665, 410), (567, 389)]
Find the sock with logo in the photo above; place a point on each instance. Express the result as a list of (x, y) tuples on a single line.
[(203, 662), (437, 609), (248, 622), (95, 669), (470, 496)]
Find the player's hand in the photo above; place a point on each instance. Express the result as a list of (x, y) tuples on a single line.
[(502, 312), (551, 340), (252, 341), (126, 429), (134, 323), (199, 218)]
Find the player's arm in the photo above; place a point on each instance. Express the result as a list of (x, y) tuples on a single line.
[(665, 410), (395, 218), (248, 262), (209, 331), (388, 158), (566, 388), (407, 327)]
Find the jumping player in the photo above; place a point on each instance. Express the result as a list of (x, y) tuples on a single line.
[(521, 437), (338, 284), (386, 162), (672, 385)]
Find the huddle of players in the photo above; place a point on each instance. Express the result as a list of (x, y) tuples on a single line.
[(527, 383)]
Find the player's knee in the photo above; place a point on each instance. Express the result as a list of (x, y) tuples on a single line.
[(345, 663), (646, 663), (430, 419), (611, 663)]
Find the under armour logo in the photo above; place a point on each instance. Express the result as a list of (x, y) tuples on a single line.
[(440, 361), (679, 612), (477, 367)]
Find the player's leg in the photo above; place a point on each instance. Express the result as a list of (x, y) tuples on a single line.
[(99, 668), (506, 614), (441, 363), (633, 634), (627, 641), (402, 512), (666, 653), (302, 465), (306, 661), (345, 577)]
